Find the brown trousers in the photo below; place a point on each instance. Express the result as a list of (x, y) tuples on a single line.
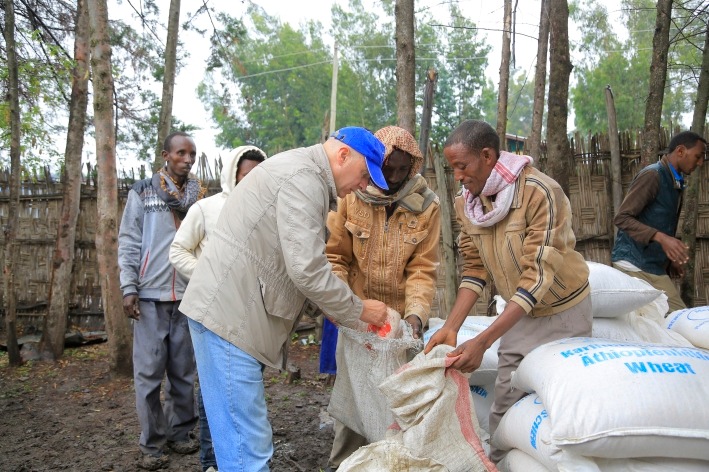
[(345, 444), (519, 341)]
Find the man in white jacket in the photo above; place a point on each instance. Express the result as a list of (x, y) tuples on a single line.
[(250, 286), (189, 241), (195, 228)]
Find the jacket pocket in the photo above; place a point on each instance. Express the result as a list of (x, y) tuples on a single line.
[(277, 303), (415, 238), (514, 249), (360, 238)]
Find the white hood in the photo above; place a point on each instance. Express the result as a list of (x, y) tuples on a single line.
[(229, 163)]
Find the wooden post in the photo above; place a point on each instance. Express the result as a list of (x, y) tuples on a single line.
[(431, 78), (616, 184), (333, 92), (448, 256)]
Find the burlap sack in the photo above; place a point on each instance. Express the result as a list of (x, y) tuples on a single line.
[(388, 455), (364, 360), (434, 410)]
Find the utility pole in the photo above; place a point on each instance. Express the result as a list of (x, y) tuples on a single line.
[(333, 93), (614, 141)]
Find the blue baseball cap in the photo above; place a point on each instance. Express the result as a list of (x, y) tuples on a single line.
[(364, 142)]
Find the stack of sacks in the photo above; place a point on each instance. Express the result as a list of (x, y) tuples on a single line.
[(482, 380), (604, 405), (625, 308), (692, 324)]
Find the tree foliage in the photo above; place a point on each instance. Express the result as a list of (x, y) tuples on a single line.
[(44, 71), (607, 58), (269, 84), (45, 31)]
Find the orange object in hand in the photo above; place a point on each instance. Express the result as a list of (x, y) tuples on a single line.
[(381, 332)]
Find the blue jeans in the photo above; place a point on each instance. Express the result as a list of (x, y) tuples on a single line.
[(234, 398), (206, 449)]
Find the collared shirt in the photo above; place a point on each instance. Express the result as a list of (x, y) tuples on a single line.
[(679, 179)]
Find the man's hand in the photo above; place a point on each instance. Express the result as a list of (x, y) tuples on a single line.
[(374, 312), (470, 355), (415, 323), (675, 249), (442, 336), (676, 271), (131, 308)]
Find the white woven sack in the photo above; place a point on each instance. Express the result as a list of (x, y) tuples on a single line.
[(526, 426), (388, 455), (433, 409), (364, 360), (518, 461), (646, 324), (614, 293), (574, 463), (692, 323), (483, 397), (652, 464), (471, 327), (617, 400)]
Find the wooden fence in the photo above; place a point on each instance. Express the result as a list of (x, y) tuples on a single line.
[(41, 198)]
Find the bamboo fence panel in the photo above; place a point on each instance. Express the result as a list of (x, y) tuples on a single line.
[(40, 202)]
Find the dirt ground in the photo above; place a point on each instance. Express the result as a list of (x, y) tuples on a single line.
[(75, 416)]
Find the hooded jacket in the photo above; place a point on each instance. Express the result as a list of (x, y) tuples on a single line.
[(390, 258), (267, 255), (195, 229)]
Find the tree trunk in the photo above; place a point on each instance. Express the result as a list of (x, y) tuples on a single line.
[(63, 260), (503, 89), (426, 112), (558, 151), (614, 142), (117, 327), (10, 229), (656, 89), (168, 80), (689, 227), (540, 76), (700, 105), (405, 65)]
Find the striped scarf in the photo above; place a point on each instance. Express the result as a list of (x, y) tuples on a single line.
[(500, 183)]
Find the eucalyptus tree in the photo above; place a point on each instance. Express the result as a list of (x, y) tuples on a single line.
[(117, 327), (44, 70), (619, 55)]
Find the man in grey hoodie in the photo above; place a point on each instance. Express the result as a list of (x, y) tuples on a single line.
[(152, 290)]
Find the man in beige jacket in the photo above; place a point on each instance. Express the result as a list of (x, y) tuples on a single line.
[(251, 282)]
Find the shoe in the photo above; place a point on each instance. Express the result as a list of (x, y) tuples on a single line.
[(211, 469), (188, 446), (153, 461)]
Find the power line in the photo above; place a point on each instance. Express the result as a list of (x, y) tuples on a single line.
[(141, 15), (258, 74)]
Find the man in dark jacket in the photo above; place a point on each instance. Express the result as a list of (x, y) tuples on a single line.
[(646, 246), (152, 291)]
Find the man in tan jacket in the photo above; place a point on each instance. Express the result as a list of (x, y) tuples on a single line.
[(516, 230), (384, 244)]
